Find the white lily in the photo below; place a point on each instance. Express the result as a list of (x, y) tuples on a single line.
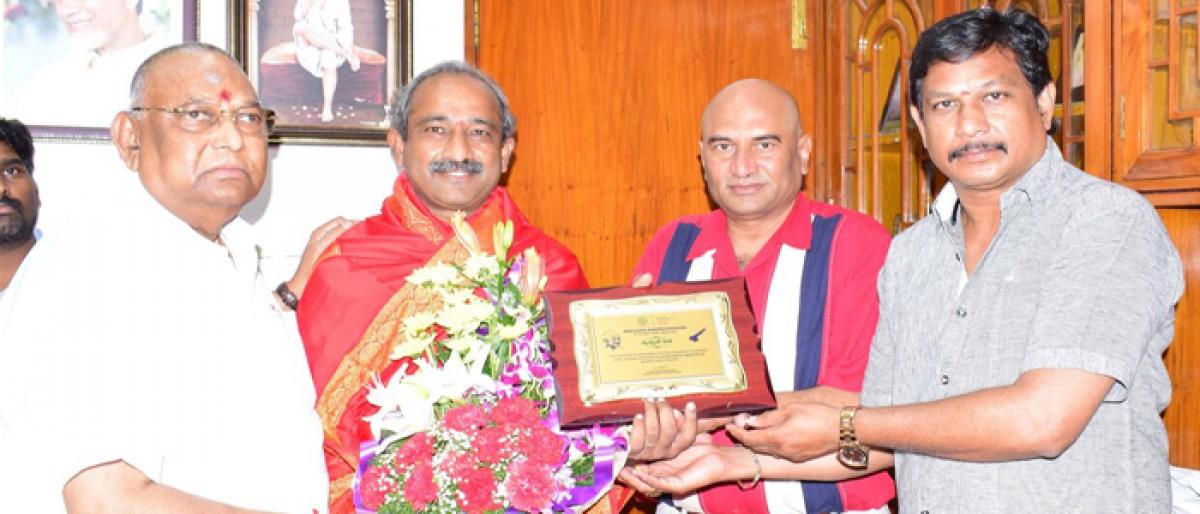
[(453, 379), (405, 406)]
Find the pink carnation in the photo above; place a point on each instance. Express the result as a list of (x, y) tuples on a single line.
[(531, 487), (492, 445), (375, 486), (515, 412), (419, 488), (465, 418), (418, 448), (478, 489), (541, 445), (457, 464)]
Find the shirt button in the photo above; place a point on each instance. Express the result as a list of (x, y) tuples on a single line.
[(945, 379), (961, 312)]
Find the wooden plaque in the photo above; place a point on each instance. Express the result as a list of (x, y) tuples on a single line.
[(681, 341)]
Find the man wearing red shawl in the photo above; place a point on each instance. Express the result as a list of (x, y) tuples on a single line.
[(452, 138)]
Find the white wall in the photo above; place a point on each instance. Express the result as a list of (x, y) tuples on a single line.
[(308, 184)]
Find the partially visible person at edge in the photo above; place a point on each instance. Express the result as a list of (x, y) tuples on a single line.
[(452, 138), (19, 201), (144, 366), (109, 39), (810, 271), (1017, 365)]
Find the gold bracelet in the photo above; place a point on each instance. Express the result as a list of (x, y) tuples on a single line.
[(757, 473)]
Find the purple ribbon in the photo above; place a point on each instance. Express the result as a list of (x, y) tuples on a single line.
[(366, 453)]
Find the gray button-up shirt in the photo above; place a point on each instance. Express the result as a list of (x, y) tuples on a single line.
[(1081, 275)]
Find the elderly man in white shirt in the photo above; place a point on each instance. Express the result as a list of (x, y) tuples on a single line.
[(146, 368)]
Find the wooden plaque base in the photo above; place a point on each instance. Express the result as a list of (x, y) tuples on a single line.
[(574, 413)]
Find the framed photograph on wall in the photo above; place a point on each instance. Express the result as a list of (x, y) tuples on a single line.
[(65, 67), (328, 68)]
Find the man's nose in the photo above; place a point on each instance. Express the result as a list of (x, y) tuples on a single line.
[(971, 120), (456, 147), (743, 163), (227, 133)]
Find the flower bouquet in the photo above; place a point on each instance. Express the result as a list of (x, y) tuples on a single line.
[(469, 422)]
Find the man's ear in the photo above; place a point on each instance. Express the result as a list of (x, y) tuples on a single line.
[(1045, 104), (396, 144), (804, 150), (919, 121), (124, 132), (506, 151)]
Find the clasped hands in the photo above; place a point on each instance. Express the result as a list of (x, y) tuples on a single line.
[(674, 452)]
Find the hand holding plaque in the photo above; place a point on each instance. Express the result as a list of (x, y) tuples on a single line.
[(685, 342)]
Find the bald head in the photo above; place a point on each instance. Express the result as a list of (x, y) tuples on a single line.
[(753, 95), (137, 88), (754, 151)]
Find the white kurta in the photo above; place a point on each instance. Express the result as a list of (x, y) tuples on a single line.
[(132, 337)]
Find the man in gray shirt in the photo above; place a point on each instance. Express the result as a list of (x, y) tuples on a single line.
[(1017, 365)]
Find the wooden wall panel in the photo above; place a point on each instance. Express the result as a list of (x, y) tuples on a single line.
[(1183, 357), (608, 97)]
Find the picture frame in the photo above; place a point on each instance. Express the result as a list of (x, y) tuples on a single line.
[(59, 72), (288, 48)]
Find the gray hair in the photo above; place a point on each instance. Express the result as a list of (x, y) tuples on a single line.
[(402, 100), (137, 88)]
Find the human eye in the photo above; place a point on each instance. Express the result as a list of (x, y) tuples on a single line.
[(722, 147), (944, 105), (250, 117), (765, 145), (198, 113), (480, 132), (13, 171), (434, 129), (995, 96)]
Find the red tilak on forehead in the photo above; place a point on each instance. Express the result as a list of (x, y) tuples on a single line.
[(226, 95)]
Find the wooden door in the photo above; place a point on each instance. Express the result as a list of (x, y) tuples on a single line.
[(608, 96)]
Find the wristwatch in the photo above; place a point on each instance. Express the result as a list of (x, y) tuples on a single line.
[(286, 296), (850, 453)]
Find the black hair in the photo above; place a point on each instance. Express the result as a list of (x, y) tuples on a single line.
[(959, 37), (16, 135)]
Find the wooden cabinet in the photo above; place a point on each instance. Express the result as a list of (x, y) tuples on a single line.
[(875, 163), (1157, 87)]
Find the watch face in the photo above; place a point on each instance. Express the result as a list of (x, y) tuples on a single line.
[(852, 456)]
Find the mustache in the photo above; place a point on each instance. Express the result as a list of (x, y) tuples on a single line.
[(12, 202), (970, 147), (445, 165)]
